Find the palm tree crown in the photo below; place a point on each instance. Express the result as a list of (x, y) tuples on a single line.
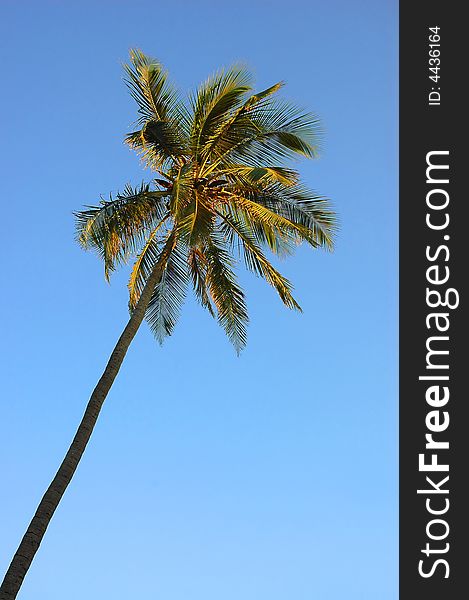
[(220, 191)]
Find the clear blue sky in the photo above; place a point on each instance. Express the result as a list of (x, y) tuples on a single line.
[(209, 477)]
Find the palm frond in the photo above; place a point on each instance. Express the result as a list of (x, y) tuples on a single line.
[(117, 228), (269, 134), (197, 262), (182, 191), (225, 292), (145, 263), (148, 84), (157, 142), (169, 294), (286, 212), (163, 116), (304, 208), (256, 261), (244, 175), (269, 229), (215, 101), (232, 128), (199, 221)]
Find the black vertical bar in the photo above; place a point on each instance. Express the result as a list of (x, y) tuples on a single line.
[(433, 272)]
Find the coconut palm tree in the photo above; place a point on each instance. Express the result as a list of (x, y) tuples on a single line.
[(220, 190)]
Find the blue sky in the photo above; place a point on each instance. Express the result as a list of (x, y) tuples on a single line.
[(211, 477)]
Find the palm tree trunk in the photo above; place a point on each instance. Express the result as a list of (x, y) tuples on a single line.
[(32, 538)]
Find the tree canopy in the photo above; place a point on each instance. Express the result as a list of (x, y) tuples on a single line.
[(223, 189)]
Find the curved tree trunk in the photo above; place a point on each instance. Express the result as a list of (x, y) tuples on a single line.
[(32, 538)]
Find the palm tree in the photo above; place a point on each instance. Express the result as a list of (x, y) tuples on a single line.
[(218, 191)]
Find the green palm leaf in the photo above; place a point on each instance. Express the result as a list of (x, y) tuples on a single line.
[(145, 263), (269, 133), (149, 87), (157, 143), (214, 100), (169, 294), (246, 175), (198, 268), (305, 208), (117, 228), (255, 260), (225, 292), (229, 130), (163, 116)]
